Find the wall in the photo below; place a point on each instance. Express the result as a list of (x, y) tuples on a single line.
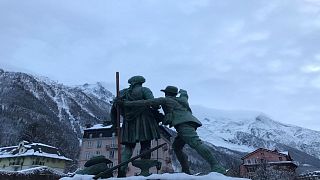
[(26, 162)]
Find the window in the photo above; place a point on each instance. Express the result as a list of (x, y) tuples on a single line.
[(98, 152), (280, 158), (100, 135), (90, 144), (111, 155), (251, 169), (113, 142), (87, 155), (248, 161), (90, 136), (99, 143)]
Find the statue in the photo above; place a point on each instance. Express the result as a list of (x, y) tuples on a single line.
[(178, 114), (139, 123), (96, 165)]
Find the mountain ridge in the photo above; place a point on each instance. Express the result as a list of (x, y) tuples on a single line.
[(41, 110)]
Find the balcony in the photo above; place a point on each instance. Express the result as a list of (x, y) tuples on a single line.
[(111, 146)]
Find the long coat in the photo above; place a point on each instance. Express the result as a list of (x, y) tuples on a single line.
[(139, 123), (176, 109)]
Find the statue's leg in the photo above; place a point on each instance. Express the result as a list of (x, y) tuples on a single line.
[(177, 146), (145, 146), (188, 134), (125, 155)]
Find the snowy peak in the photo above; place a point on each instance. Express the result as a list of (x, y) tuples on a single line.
[(98, 90), (247, 130)]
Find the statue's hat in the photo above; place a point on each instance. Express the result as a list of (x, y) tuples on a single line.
[(170, 89)]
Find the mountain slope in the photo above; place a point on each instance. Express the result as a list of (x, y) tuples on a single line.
[(246, 131), (40, 110), (37, 109)]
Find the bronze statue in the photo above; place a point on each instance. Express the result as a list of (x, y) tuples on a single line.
[(139, 123), (178, 114)]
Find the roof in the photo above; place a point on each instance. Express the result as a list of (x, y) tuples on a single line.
[(32, 149), (267, 150), (98, 126), (100, 130)]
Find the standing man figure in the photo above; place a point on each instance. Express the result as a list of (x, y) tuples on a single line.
[(139, 124), (178, 114)]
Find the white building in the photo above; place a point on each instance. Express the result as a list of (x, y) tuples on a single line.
[(29, 155)]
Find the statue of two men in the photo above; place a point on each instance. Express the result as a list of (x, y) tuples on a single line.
[(177, 114)]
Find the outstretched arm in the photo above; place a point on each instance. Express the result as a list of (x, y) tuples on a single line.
[(149, 102)]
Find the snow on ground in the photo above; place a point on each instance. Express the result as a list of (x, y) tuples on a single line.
[(166, 176)]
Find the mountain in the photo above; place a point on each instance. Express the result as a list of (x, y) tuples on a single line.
[(245, 131), (40, 110)]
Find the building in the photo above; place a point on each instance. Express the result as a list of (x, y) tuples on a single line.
[(268, 159), (30, 155), (101, 140)]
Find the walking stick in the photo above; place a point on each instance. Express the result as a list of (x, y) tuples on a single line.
[(157, 156), (118, 120)]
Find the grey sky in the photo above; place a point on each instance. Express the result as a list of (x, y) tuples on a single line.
[(229, 54)]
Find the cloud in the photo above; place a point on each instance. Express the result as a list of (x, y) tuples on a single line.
[(228, 54), (255, 36), (311, 68)]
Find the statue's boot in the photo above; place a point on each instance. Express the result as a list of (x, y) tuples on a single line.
[(125, 155), (207, 155), (183, 160)]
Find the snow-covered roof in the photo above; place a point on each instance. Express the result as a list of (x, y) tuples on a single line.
[(285, 152), (32, 149), (99, 126), (266, 150)]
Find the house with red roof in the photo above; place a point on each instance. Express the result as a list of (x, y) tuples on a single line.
[(264, 159)]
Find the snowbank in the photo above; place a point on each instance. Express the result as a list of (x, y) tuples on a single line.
[(174, 176)]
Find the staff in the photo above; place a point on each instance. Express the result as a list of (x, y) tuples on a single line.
[(118, 120)]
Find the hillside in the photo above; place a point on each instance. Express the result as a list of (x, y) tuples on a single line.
[(39, 110)]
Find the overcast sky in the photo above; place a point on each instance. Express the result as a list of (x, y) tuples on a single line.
[(229, 54)]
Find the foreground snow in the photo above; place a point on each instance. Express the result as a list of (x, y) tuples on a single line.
[(175, 176)]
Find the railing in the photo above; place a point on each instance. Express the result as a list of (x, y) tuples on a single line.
[(111, 146)]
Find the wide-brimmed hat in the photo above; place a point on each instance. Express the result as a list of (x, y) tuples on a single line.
[(136, 79), (170, 89)]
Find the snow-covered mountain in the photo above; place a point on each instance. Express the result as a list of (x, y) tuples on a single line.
[(247, 130), (40, 110)]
